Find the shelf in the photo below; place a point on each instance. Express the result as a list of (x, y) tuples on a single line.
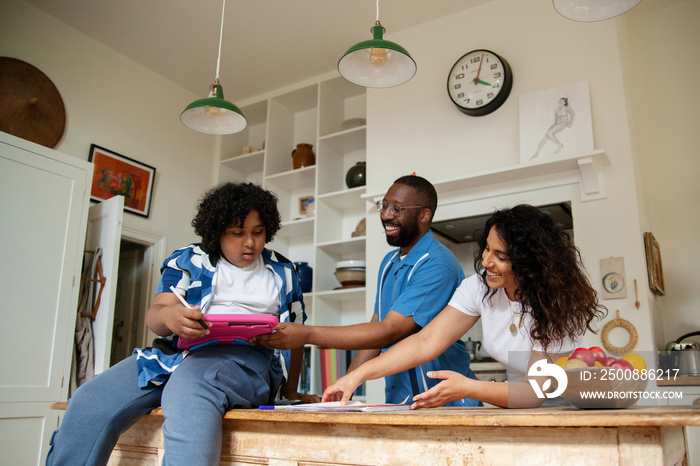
[(351, 246), (342, 295), (293, 180), (344, 199), (590, 167), (346, 141), (313, 114), (294, 228), (246, 163)]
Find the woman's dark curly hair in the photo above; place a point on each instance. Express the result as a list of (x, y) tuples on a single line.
[(548, 272), (228, 205)]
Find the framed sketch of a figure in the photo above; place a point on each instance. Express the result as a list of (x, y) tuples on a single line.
[(556, 123)]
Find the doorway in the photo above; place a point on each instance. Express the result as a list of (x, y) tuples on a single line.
[(129, 311), (140, 256)]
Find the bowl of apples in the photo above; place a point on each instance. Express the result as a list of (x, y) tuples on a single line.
[(599, 381)]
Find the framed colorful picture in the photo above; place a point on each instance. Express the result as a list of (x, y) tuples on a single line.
[(654, 268), (115, 174), (304, 203)]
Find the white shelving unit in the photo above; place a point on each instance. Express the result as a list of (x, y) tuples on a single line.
[(313, 114)]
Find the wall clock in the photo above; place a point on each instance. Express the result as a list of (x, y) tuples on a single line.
[(479, 82)]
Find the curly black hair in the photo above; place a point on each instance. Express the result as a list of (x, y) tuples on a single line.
[(228, 205), (548, 271)]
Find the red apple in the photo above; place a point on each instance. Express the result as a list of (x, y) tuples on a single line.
[(574, 364), (584, 355), (621, 364), (610, 361), (600, 355)]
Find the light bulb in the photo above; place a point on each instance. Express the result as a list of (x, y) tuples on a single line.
[(212, 112), (377, 56)]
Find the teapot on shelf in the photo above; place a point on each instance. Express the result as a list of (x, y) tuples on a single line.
[(685, 356)]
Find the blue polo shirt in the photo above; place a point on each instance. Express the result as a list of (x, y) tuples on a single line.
[(420, 285)]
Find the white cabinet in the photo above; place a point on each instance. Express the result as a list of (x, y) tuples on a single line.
[(330, 116), (44, 198)]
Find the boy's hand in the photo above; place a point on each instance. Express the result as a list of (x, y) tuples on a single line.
[(287, 335), (184, 322), (294, 395)]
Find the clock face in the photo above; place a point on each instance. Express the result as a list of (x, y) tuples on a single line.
[(479, 82)]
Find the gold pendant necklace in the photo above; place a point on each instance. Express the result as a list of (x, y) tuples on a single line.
[(513, 328)]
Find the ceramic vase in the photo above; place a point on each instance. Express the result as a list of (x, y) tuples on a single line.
[(303, 156), (356, 176), (305, 276)]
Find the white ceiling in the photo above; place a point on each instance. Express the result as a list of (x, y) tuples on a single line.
[(267, 44)]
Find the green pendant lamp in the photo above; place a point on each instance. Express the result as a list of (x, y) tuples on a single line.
[(214, 115), (377, 62)]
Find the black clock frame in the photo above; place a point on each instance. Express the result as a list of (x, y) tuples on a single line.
[(500, 99)]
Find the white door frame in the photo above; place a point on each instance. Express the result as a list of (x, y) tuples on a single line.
[(154, 255)]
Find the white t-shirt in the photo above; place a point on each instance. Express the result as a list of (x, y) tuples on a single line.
[(513, 351), (244, 290)]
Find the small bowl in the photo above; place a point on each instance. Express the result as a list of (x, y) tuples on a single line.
[(350, 277), (622, 392), (350, 263)]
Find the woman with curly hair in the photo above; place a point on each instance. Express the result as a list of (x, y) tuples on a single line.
[(534, 301), (229, 272)]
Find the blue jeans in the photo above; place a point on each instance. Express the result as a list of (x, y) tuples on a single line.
[(207, 382)]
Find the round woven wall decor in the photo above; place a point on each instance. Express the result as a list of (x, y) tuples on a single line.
[(30, 105), (627, 325)]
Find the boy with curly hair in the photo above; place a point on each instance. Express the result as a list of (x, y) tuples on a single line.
[(229, 272)]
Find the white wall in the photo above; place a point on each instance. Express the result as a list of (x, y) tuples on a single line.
[(115, 103), (661, 82), (651, 141), (544, 50)]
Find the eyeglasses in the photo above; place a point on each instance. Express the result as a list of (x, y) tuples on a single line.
[(394, 210)]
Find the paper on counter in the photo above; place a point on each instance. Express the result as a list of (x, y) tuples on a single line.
[(350, 406)]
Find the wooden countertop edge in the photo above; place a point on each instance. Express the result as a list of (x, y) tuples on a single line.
[(689, 381), (480, 417)]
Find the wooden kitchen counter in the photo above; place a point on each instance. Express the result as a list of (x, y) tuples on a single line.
[(633, 436)]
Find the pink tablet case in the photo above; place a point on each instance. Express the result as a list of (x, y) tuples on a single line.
[(226, 328)]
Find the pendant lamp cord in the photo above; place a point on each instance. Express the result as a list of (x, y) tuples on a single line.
[(377, 10), (221, 36)]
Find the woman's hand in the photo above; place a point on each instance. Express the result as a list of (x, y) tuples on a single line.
[(287, 335), (342, 389), (454, 386)]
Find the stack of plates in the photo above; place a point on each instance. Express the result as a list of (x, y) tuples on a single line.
[(350, 273)]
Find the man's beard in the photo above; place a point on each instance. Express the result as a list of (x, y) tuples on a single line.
[(407, 234)]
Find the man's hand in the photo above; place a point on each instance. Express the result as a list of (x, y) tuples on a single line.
[(287, 335), (454, 386)]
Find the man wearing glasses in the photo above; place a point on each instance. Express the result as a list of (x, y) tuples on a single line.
[(415, 282)]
